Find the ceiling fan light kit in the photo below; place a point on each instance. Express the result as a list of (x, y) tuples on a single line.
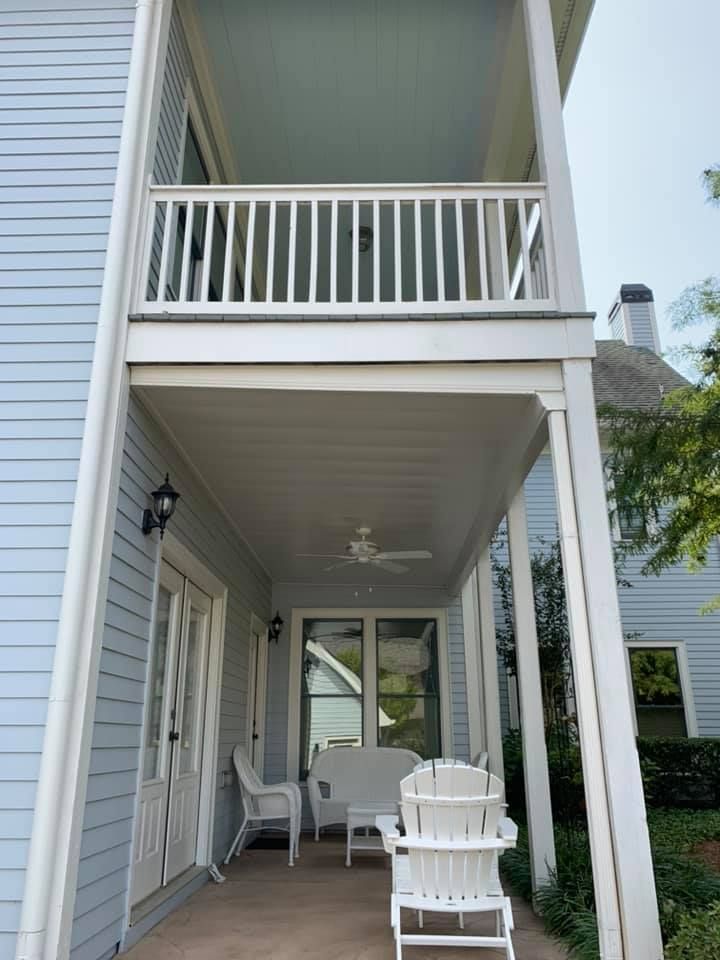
[(365, 552)]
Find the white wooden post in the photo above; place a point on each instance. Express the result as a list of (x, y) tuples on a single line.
[(488, 646), (633, 861), (596, 797), (561, 229), (535, 765), (473, 667)]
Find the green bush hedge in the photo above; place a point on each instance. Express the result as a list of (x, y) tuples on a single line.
[(681, 772)]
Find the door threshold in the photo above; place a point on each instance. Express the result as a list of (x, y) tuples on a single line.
[(156, 899)]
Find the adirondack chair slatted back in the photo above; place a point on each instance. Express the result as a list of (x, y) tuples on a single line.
[(451, 804)]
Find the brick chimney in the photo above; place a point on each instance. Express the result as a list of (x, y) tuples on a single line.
[(632, 317)]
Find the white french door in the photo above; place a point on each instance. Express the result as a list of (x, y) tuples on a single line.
[(257, 698), (166, 826)]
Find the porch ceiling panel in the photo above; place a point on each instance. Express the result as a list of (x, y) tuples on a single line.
[(329, 91), (299, 471)]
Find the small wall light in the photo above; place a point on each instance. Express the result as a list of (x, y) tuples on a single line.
[(275, 628), (365, 238), (164, 500)]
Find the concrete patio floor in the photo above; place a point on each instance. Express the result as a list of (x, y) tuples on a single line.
[(318, 909)]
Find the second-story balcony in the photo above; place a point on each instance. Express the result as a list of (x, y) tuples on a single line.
[(325, 251)]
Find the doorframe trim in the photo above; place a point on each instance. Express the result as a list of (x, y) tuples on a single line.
[(183, 559), (258, 627)]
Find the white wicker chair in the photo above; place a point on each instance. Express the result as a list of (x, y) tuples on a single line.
[(454, 830), (260, 803)]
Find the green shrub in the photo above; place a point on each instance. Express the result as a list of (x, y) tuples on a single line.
[(681, 830), (680, 771), (697, 937)]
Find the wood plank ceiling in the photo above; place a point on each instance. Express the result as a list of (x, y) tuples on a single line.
[(334, 91)]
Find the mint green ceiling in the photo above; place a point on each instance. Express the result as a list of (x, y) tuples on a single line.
[(341, 91)]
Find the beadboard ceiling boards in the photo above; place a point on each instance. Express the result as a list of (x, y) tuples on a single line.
[(338, 91)]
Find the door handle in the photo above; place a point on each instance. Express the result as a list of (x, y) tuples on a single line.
[(256, 736), (174, 735)]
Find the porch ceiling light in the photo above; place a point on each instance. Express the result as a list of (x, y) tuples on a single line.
[(165, 499), (365, 238), (275, 628)]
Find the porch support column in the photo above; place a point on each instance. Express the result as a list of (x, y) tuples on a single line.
[(630, 841), (473, 667), (552, 155), (532, 720), (489, 666), (596, 796)]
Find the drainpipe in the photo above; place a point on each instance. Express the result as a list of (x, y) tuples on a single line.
[(51, 877)]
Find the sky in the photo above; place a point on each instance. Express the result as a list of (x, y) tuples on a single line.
[(642, 123)]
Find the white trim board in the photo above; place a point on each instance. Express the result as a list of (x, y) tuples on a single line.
[(368, 616), (269, 341)]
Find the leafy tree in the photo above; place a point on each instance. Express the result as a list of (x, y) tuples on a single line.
[(666, 463)]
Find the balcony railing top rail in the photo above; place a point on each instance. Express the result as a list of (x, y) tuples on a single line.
[(373, 250)]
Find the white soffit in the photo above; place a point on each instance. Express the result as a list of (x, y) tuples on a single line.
[(299, 471)]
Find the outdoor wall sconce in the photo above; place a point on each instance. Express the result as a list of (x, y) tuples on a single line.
[(165, 499), (275, 627), (365, 238)]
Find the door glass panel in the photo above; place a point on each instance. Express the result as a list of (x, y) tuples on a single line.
[(332, 695), (190, 698), (408, 686), (156, 692)]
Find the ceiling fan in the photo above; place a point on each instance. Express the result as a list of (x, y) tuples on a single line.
[(365, 551)]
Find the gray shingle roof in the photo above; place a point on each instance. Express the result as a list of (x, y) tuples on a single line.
[(632, 377)]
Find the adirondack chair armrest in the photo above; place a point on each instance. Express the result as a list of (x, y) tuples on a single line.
[(387, 824), (508, 831)]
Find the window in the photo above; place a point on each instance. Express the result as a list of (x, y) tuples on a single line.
[(660, 690), (367, 678), (631, 523)]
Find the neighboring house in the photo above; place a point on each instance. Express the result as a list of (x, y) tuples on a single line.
[(660, 614), (395, 350)]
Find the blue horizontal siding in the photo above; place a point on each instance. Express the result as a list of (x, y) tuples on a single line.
[(63, 74)]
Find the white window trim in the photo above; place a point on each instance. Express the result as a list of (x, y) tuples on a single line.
[(368, 616), (683, 672)]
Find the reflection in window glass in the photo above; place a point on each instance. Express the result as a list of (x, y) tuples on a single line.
[(657, 691), (332, 696), (156, 692), (190, 695), (408, 686)]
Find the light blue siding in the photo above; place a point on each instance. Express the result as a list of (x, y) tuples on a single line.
[(63, 74), (658, 608)]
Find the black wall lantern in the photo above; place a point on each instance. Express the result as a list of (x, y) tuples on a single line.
[(275, 627), (164, 500), (365, 238)]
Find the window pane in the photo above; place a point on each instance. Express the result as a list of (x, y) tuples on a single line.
[(658, 692), (412, 723), (191, 694), (407, 656), (631, 523), (156, 693), (408, 686), (332, 695)]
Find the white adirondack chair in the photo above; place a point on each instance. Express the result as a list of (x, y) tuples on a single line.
[(454, 829), (260, 803)]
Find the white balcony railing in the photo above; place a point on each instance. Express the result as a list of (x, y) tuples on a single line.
[(223, 251)]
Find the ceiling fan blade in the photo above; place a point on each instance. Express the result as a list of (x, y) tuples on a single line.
[(389, 566), (334, 566), (323, 556), (404, 555)]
